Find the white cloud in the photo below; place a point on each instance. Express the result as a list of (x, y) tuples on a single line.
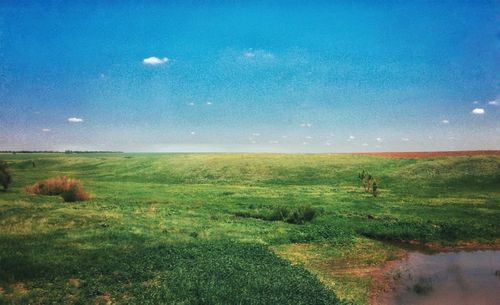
[(405, 139), (445, 122), (193, 133), (75, 120), (328, 144), (249, 54), (284, 137), (209, 103), (306, 125), (364, 144), (255, 134), (191, 104), (255, 54), (475, 102), (351, 138), (478, 111), (494, 103), (46, 129), (155, 60), (273, 142), (309, 137), (379, 139)]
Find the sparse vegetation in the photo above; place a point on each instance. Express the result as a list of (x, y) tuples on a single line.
[(70, 189)]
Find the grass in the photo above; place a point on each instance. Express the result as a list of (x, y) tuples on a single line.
[(196, 229)]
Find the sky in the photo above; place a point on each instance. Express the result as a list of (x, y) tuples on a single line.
[(250, 76)]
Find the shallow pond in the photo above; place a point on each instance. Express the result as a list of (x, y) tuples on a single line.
[(449, 278)]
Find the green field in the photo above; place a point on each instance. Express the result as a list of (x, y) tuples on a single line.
[(199, 228)]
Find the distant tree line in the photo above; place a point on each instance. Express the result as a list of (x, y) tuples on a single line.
[(58, 152)]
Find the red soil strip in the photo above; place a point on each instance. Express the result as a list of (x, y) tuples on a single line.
[(432, 154)]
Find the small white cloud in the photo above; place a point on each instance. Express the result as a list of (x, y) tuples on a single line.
[(405, 139), (273, 142), (351, 138), (309, 137), (193, 133), (365, 144), (328, 144), (191, 104), (75, 120), (155, 60), (445, 122), (255, 134), (256, 54), (249, 54), (284, 137), (475, 102), (308, 125), (209, 103), (46, 129), (379, 140), (478, 111), (305, 143), (494, 103)]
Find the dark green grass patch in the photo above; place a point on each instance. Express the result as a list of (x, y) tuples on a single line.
[(132, 270)]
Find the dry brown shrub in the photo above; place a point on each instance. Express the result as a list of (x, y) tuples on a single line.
[(70, 189)]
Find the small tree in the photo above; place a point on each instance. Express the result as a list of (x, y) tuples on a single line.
[(368, 183), (5, 176)]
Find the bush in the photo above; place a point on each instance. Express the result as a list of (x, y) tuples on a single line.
[(279, 213), (5, 176), (299, 215), (69, 189)]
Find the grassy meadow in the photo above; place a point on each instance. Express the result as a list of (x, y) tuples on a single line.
[(200, 228)]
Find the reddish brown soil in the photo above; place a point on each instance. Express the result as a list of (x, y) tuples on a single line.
[(433, 154)]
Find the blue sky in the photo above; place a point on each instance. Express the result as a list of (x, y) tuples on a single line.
[(274, 76)]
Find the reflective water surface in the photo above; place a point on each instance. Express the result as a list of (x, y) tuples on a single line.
[(451, 278)]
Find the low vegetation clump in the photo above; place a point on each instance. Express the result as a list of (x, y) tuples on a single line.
[(293, 215), (298, 215), (5, 175), (70, 189)]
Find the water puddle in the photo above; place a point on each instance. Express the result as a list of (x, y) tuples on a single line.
[(449, 278)]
